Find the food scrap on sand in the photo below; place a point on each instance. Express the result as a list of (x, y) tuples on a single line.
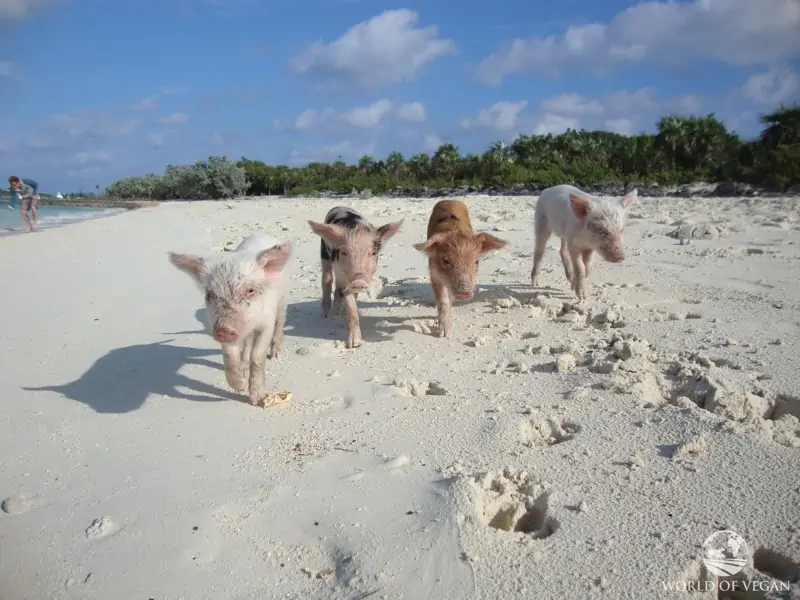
[(277, 398)]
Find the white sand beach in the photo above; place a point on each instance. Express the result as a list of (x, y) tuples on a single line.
[(548, 450)]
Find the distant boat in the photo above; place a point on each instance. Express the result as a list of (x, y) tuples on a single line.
[(59, 196)]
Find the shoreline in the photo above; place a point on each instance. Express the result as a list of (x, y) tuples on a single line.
[(123, 204), (46, 223)]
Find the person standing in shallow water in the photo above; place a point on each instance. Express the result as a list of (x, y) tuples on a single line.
[(27, 190)]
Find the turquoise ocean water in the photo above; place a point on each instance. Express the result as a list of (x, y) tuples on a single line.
[(49, 216)]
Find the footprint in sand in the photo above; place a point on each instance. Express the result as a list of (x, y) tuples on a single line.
[(510, 501), (100, 528), (16, 505)]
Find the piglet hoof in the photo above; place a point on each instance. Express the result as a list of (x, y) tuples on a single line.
[(535, 282), (354, 340), (275, 349), (257, 396), (238, 381)]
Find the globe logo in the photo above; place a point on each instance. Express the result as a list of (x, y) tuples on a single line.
[(724, 553)]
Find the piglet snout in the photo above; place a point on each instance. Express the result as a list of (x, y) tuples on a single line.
[(225, 334), (358, 284), (464, 292)]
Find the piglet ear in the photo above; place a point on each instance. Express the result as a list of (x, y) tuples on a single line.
[(190, 264), (333, 234), (629, 198), (430, 244), (580, 205), (274, 259), (388, 230), (489, 242)]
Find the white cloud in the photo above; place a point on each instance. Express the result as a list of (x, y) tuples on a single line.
[(386, 50), (621, 111), (555, 124), (622, 125), (368, 117), (15, 10), (151, 101), (63, 130), (85, 173), (365, 118), (177, 118), (773, 87), (6, 68), (735, 32), (572, 104), (501, 116), (346, 150), (412, 112), (157, 140), (148, 103), (625, 101), (431, 143), (90, 157)]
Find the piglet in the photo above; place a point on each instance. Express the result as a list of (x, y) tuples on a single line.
[(245, 296), (454, 252), (585, 224), (349, 248)]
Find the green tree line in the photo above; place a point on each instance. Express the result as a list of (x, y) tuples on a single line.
[(685, 149)]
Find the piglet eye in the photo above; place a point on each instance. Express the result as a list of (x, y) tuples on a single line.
[(209, 296), (250, 292), (343, 253)]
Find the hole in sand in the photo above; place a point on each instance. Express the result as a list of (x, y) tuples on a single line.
[(786, 405), (533, 521), (504, 519), (775, 565), (548, 432)]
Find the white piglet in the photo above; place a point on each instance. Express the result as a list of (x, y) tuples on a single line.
[(585, 224), (245, 296)]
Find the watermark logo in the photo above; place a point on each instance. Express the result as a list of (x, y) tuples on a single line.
[(724, 553)]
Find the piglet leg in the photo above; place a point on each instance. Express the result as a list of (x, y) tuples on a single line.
[(276, 344), (327, 284), (443, 308), (247, 347), (579, 282), (258, 361), (567, 261), (338, 294), (234, 373), (542, 234), (351, 316), (587, 260)]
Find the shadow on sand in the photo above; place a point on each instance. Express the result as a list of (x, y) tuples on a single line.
[(305, 320), (121, 381), (200, 315)]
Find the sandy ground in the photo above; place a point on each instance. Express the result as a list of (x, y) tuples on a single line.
[(548, 450)]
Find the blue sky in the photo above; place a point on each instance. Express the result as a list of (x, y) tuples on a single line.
[(97, 89)]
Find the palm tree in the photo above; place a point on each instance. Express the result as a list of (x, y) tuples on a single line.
[(782, 127), (445, 162)]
